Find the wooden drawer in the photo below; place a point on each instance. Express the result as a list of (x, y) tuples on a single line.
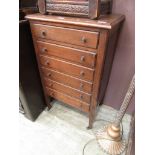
[(67, 80), (68, 100), (79, 56), (68, 68), (66, 35), (68, 90)]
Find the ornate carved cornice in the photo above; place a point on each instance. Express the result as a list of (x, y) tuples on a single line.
[(67, 9)]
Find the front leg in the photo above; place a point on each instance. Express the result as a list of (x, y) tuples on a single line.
[(92, 114), (48, 102)]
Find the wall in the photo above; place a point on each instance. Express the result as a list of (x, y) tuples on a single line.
[(124, 61)]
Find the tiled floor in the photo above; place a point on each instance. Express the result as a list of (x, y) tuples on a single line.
[(62, 131)]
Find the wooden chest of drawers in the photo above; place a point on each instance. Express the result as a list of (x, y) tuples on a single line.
[(75, 57)]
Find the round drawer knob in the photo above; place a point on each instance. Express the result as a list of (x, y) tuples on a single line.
[(43, 33), (82, 73), (82, 59), (44, 50), (83, 40), (81, 96), (52, 93), (49, 74), (81, 85), (93, 64), (47, 63), (51, 84), (81, 106)]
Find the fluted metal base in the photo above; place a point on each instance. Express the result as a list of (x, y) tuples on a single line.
[(110, 141)]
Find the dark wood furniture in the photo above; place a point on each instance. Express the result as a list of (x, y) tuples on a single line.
[(81, 8), (31, 98), (75, 57)]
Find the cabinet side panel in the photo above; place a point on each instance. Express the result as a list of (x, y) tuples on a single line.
[(104, 34), (107, 65)]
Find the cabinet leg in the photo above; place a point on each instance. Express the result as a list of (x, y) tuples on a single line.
[(90, 126), (91, 117), (48, 101), (92, 114)]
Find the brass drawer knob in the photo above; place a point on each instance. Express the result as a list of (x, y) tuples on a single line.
[(49, 74), (44, 50), (81, 106), (93, 64), (83, 40), (81, 96), (81, 85), (43, 33), (51, 84), (82, 59), (82, 73), (47, 63), (52, 93)]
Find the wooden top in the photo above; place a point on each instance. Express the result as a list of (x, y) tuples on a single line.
[(104, 21)]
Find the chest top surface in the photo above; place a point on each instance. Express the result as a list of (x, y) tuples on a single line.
[(105, 21)]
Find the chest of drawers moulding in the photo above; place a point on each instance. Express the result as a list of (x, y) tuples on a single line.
[(74, 58)]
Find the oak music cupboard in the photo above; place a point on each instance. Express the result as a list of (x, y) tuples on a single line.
[(75, 57)]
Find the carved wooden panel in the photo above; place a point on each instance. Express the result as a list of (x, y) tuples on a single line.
[(83, 8)]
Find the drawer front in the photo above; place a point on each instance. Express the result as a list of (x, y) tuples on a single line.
[(68, 100), (66, 35), (68, 90), (67, 80), (68, 68), (82, 57)]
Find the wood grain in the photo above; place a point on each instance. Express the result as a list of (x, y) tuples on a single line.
[(68, 90), (67, 80), (42, 6), (71, 36), (68, 68), (104, 21), (81, 57), (69, 100)]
